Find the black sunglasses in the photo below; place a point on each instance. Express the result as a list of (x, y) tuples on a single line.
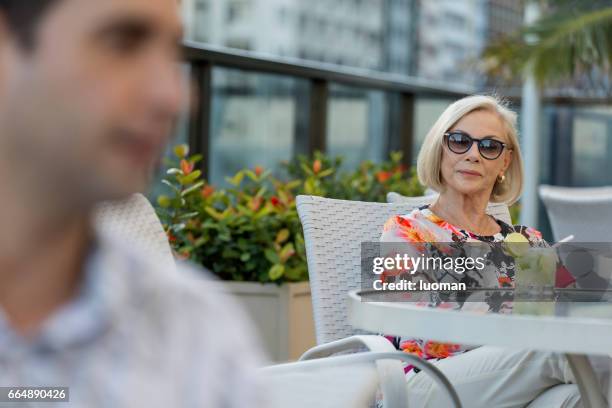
[(460, 142)]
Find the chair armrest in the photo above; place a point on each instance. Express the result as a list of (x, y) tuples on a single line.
[(398, 397), (391, 372), (369, 342)]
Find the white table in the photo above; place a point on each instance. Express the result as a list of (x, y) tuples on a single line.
[(574, 329)]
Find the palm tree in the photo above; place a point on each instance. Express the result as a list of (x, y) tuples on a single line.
[(573, 39)]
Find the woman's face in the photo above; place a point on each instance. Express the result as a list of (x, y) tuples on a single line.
[(469, 172)]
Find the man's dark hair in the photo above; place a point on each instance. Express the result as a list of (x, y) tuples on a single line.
[(23, 17)]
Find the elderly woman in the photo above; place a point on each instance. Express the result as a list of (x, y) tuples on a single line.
[(471, 156)]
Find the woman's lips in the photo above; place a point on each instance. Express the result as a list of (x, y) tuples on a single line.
[(470, 173)]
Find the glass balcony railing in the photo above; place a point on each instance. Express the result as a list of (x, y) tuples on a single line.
[(248, 110), (253, 122), (357, 124), (254, 110)]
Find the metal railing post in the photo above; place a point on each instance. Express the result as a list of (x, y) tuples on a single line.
[(406, 127), (317, 134), (199, 125)]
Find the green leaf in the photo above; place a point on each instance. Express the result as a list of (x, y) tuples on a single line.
[(191, 177), (306, 169), (251, 174), (199, 242), (195, 158), (282, 236), (297, 273), (293, 184), (193, 188), (287, 252), (172, 186), (225, 236), (309, 187), (181, 151), (244, 210), (243, 244), (214, 213), (229, 253), (272, 256), (261, 192), (237, 179), (276, 272), (262, 213), (396, 156), (189, 215), (325, 173), (164, 201)]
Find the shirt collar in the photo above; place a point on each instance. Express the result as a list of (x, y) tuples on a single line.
[(90, 313)]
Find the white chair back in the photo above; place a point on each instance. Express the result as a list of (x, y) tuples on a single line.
[(585, 213), (333, 232), (135, 222)]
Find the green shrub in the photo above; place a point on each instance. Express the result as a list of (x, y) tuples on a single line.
[(251, 231)]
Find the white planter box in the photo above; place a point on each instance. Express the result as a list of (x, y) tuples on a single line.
[(282, 315)]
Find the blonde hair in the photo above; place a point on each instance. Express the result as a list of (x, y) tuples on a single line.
[(430, 156)]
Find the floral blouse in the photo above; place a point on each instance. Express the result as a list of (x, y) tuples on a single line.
[(423, 226)]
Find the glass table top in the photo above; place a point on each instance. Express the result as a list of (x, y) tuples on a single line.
[(588, 303)]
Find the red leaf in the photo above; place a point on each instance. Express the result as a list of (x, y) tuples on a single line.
[(207, 191), (186, 167), (383, 176)]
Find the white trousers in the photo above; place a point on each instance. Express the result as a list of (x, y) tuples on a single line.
[(491, 377)]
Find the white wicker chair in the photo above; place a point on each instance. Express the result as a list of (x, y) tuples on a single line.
[(498, 210), (135, 222), (585, 213), (333, 232)]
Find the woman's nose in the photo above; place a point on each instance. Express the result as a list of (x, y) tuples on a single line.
[(473, 153)]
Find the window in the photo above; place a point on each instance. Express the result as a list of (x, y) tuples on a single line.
[(356, 124), (253, 121), (201, 6), (236, 10)]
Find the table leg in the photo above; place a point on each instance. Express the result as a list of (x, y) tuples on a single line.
[(590, 390)]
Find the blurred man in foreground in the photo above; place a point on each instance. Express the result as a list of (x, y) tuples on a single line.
[(89, 93)]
